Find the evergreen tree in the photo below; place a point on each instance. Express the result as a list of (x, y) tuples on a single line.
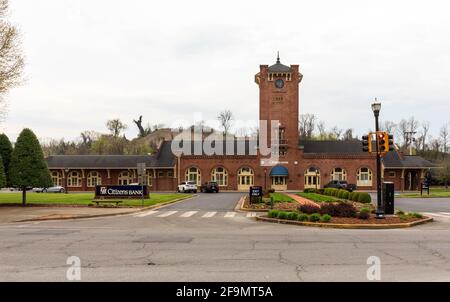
[(5, 152), (2, 174), (28, 167)]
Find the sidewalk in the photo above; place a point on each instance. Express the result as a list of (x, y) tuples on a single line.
[(301, 200), (18, 213)]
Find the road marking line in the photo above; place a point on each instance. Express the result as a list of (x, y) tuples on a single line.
[(166, 214), (437, 215), (251, 214), (445, 213), (209, 214), (230, 214), (188, 214), (145, 214)]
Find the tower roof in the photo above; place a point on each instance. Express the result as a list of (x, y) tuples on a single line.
[(278, 67)]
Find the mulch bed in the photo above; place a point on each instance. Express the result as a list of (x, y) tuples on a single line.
[(373, 220), (285, 206)]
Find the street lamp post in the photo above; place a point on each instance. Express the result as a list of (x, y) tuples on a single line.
[(380, 208), (65, 179), (265, 182)]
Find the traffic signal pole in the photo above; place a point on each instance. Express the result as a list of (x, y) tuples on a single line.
[(380, 208)]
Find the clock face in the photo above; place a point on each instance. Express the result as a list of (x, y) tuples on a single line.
[(279, 83)]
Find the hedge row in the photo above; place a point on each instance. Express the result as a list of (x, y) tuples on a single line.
[(314, 217), (344, 194)]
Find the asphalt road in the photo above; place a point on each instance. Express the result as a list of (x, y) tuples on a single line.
[(164, 245)]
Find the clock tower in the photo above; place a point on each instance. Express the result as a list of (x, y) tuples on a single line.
[(278, 100)]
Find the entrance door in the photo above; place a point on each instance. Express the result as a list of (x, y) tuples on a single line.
[(412, 181), (279, 183), (245, 179), (312, 178)]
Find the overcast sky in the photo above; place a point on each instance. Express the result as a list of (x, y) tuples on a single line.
[(92, 60)]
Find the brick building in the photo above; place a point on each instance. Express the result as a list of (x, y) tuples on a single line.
[(301, 164)]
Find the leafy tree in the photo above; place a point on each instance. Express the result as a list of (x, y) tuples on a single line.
[(28, 167), (5, 153), (115, 126), (2, 174)]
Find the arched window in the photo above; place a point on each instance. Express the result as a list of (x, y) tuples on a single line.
[(74, 179), (56, 178), (193, 174), (94, 179), (125, 178), (220, 175), (312, 178), (364, 177), (338, 174), (245, 178)]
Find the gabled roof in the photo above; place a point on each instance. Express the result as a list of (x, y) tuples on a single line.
[(393, 159), (164, 158)]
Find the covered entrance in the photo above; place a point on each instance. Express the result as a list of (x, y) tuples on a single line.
[(279, 175), (312, 178), (245, 178), (412, 180)]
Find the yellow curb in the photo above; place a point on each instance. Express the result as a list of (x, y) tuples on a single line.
[(348, 226), (155, 206)]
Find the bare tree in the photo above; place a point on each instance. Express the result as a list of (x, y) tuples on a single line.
[(115, 126), (425, 130), (322, 130), (225, 119), (335, 133), (388, 126), (307, 124), (444, 136), (348, 135), (11, 60)]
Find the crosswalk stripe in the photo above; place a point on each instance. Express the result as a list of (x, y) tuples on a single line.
[(251, 214), (209, 214), (230, 214), (166, 214), (146, 213), (188, 214)]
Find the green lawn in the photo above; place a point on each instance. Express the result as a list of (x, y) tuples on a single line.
[(280, 197), (317, 197), (81, 198), (435, 192)]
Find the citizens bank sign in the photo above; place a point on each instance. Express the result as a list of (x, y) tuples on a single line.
[(134, 191)]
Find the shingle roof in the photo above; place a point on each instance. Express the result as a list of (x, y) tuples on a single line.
[(164, 158), (394, 160), (278, 67)]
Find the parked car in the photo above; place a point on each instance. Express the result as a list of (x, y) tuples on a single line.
[(210, 187), (187, 186), (341, 184), (55, 189)]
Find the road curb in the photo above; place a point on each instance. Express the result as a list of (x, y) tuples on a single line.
[(152, 207), (347, 226)]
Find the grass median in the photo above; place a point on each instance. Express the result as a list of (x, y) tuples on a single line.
[(82, 199), (435, 192)]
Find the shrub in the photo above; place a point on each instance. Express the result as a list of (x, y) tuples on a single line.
[(341, 194), (303, 217), (308, 209), (334, 192), (292, 216), (314, 217), (364, 198), (271, 191), (309, 190), (415, 215), (341, 209), (326, 191), (273, 213), (399, 213), (320, 191), (355, 196), (282, 215), (364, 213), (345, 194), (350, 195), (325, 218)]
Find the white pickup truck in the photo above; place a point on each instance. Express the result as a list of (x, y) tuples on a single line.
[(187, 186)]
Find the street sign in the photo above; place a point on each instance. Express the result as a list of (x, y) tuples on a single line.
[(256, 191)]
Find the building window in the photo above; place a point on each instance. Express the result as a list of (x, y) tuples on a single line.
[(312, 178), (364, 177), (169, 173), (338, 174), (278, 180), (94, 179), (391, 174), (125, 178), (193, 174), (245, 177), (149, 175), (56, 178), (220, 175), (74, 179), (160, 174)]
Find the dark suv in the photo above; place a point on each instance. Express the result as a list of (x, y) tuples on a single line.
[(210, 187), (341, 184)]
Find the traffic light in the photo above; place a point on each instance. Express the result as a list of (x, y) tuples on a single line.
[(367, 143), (381, 141), (390, 142)]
